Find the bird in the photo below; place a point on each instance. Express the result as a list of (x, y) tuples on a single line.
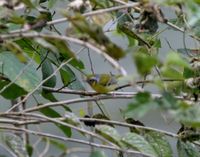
[(103, 83)]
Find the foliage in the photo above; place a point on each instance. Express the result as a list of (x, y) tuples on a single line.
[(42, 66)]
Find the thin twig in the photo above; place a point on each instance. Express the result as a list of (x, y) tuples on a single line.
[(110, 60), (123, 124), (181, 30), (128, 125), (90, 60), (74, 140), (185, 47), (8, 150), (43, 60), (90, 93), (92, 13), (102, 11), (111, 95), (70, 126), (46, 149), (38, 86), (77, 100)]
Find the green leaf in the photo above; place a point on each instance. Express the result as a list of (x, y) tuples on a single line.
[(11, 92), (102, 4), (97, 153), (17, 19), (109, 133), (11, 67), (188, 73), (174, 66), (29, 150), (28, 3), (159, 142), (65, 52), (51, 3), (47, 70), (125, 24), (175, 60), (69, 78), (157, 43), (67, 108), (48, 95), (45, 44), (15, 49), (144, 62), (140, 105), (189, 116), (139, 143), (53, 114), (131, 41), (58, 145), (60, 47), (30, 48), (96, 33), (170, 71), (187, 149), (168, 101)]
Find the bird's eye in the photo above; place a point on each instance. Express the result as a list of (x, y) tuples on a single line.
[(92, 81)]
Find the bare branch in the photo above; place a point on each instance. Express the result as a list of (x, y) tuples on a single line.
[(113, 62), (69, 125), (38, 86), (92, 13), (77, 100), (73, 140)]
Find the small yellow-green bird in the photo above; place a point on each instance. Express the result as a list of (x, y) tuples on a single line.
[(103, 83)]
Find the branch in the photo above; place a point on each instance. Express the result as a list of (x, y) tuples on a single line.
[(8, 150), (40, 84), (181, 30), (93, 93), (74, 140), (102, 11), (123, 124), (77, 100), (46, 149), (57, 121), (111, 95), (92, 13), (128, 125), (113, 62)]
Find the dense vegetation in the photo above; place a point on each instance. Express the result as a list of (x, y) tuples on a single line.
[(42, 75)]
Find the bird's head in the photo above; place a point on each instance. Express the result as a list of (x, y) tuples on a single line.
[(93, 79)]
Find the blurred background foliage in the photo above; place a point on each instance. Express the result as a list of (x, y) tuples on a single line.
[(39, 61)]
